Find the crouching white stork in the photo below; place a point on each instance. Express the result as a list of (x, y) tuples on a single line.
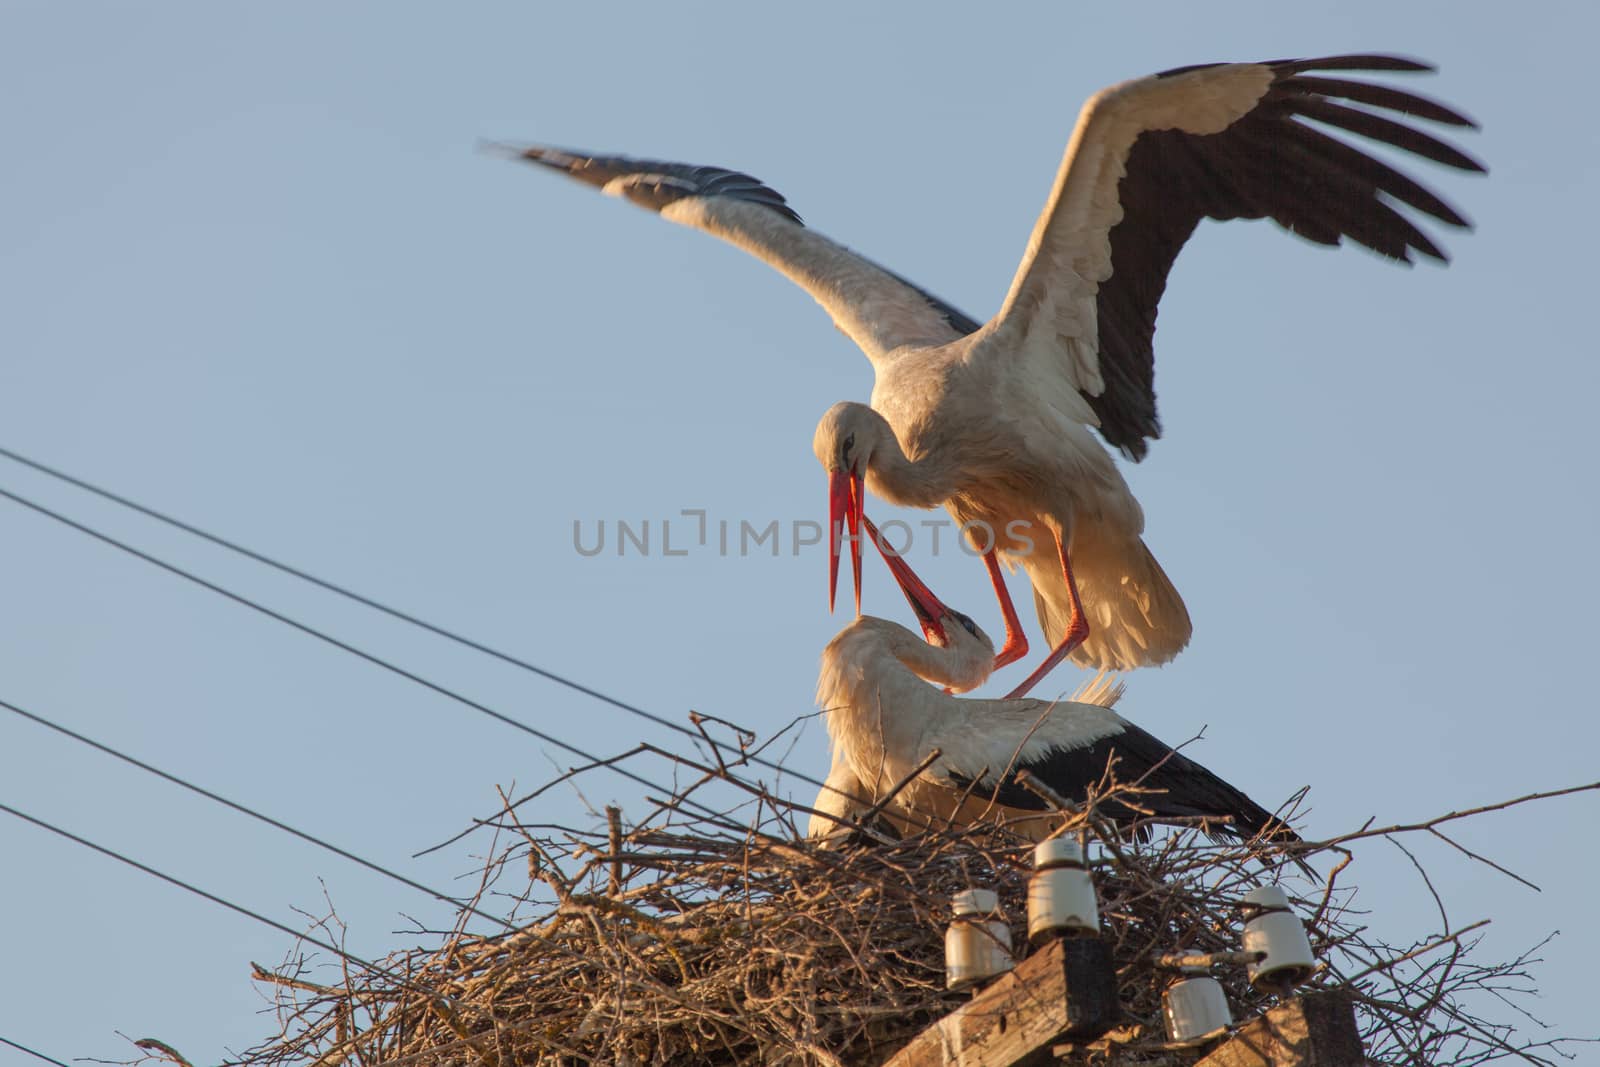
[(993, 420), (884, 720)]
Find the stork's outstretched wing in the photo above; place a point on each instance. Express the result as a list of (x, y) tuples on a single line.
[(1152, 157), (877, 308)]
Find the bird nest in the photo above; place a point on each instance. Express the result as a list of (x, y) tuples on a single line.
[(722, 936)]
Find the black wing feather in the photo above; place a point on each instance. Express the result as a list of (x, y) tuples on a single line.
[(1269, 164), (1383, 96), (1187, 790), (655, 183)]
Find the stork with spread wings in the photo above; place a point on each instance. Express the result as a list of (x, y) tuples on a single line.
[(994, 421)]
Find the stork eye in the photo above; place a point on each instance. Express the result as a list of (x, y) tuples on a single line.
[(966, 621), (845, 446)]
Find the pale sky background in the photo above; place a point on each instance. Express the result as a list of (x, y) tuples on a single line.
[(255, 273)]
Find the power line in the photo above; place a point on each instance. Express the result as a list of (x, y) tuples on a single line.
[(376, 605), (713, 816), (242, 809), (33, 1053), (197, 891)]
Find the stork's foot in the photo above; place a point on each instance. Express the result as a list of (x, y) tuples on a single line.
[(1015, 648), (1075, 636)]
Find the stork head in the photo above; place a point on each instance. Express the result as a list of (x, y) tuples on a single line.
[(971, 652), (845, 441)]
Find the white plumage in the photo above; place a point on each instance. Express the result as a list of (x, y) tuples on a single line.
[(884, 720)]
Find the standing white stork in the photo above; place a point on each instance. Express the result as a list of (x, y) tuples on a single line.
[(884, 720), (993, 420)]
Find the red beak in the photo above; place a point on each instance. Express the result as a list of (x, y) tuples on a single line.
[(845, 513), (929, 608)]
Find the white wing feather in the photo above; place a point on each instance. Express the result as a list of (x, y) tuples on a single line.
[(1048, 318), (877, 310)]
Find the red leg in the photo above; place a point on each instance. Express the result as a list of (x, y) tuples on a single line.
[(1016, 645), (1077, 630)]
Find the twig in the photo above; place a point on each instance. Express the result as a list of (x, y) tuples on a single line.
[(614, 825)]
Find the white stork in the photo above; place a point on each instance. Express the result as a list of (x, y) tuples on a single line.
[(993, 420), (884, 720)]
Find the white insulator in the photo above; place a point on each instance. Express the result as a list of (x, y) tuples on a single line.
[(1195, 1008), (1061, 894), (1271, 927), (978, 943)]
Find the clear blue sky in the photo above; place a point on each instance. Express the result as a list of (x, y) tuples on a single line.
[(255, 273)]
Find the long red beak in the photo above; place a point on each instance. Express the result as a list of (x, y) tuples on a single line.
[(929, 608), (845, 513)]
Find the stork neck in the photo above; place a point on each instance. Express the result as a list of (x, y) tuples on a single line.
[(878, 654), (924, 482), (942, 666)]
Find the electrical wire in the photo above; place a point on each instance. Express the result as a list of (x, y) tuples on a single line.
[(713, 816), (376, 605), (197, 891), (244, 810), (33, 1053)]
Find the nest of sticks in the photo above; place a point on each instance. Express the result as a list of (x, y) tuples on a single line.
[(711, 935)]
